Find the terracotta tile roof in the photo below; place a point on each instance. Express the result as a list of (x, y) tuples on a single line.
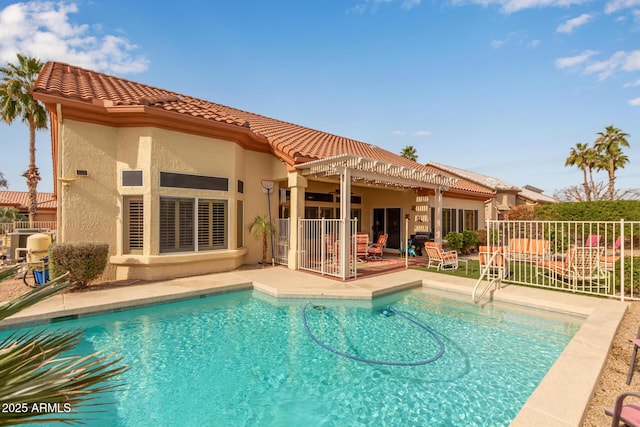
[(290, 142), (20, 200)]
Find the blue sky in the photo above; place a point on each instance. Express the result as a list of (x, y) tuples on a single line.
[(500, 87)]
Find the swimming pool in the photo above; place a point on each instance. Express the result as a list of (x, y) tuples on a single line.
[(244, 358)]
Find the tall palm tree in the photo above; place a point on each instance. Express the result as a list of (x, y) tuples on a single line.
[(410, 153), (16, 100), (3, 181), (609, 146), (581, 157)]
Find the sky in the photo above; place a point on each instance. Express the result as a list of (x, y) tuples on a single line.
[(503, 88)]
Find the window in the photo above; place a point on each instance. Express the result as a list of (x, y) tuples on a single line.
[(212, 219), (178, 220), (470, 219), (176, 225), (133, 225), (239, 224), (132, 178), (448, 221), (200, 182)]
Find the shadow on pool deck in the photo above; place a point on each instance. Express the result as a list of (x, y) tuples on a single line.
[(560, 400)]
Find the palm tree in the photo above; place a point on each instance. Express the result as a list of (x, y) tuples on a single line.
[(261, 228), (3, 181), (16, 100), (609, 146), (36, 366), (410, 153), (580, 156)]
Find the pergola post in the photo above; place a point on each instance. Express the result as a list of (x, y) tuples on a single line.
[(297, 185), (345, 215), (437, 227)]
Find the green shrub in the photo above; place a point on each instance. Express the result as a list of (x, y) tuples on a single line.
[(469, 240), (84, 261), (454, 240)]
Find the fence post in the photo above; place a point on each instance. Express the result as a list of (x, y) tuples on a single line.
[(622, 238)]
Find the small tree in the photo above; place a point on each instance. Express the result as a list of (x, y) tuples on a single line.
[(10, 215), (469, 240), (261, 228)]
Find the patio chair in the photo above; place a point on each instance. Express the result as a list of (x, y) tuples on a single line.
[(628, 414), (362, 246), (593, 241), (581, 265), (442, 260), (496, 267), (634, 354), (609, 260), (375, 250)]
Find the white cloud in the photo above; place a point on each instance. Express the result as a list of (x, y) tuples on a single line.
[(632, 61), (574, 23), (634, 102), (515, 38), (613, 6), (372, 6), (605, 69), (410, 4), (43, 29), (415, 133), (511, 6), (574, 61)]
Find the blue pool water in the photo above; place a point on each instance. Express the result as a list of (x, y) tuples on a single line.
[(245, 359)]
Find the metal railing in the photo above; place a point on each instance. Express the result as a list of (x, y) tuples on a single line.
[(10, 227), (319, 247), (282, 241), (590, 257)]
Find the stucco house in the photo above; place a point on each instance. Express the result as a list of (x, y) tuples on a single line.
[(507, 196), (19, 200), (171, 181)]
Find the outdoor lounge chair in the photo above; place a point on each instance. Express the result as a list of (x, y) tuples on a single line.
[(442, 260), (580, 266), (362, 245), (628, 414), (609, 260), (593, 241), (634, 354), (375, 250), (497, 266)]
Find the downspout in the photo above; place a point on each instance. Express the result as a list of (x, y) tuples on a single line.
[(58, 172)]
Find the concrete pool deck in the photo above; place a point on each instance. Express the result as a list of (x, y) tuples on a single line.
[(560, 399)]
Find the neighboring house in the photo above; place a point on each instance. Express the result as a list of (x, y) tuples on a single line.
[(19, 200), (171, 182), (507, 196)]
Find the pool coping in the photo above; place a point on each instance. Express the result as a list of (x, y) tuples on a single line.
[(561, 399)]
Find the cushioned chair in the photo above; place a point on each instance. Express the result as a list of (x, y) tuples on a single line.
[(496, 266), (375, 250), (628, 414), (442, 260)]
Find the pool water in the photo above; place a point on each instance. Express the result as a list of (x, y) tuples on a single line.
[(245, 359)]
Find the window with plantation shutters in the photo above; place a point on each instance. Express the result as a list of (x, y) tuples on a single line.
[(176, 225), (212, 229), (134, 225)]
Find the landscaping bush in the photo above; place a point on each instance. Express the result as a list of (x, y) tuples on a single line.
[(469, 240), (455, 241), (84, 261)]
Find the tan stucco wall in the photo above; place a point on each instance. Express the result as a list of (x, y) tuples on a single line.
[(90, 208)]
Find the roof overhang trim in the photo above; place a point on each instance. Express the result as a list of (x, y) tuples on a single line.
[(376, 172)]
